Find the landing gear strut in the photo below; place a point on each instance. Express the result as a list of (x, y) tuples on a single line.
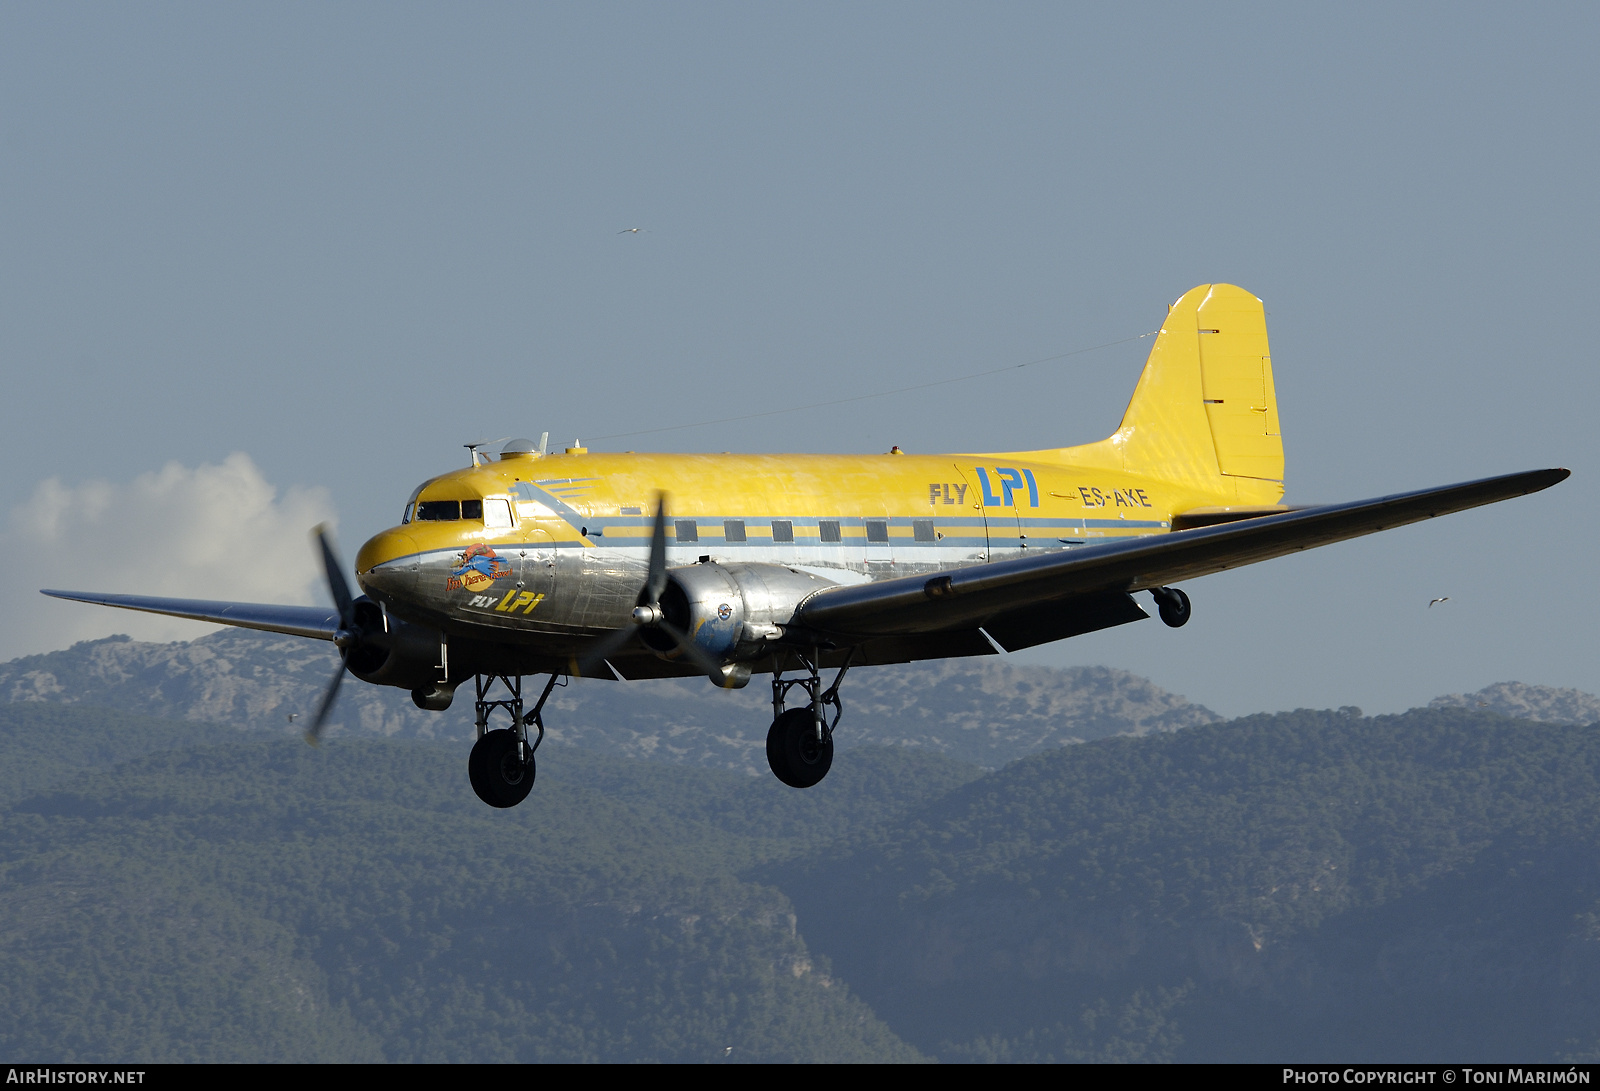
[(501, 765), (800, 741), (1172, 605)]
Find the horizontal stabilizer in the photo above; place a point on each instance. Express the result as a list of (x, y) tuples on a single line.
[(319, 622)]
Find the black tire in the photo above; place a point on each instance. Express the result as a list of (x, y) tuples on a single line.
[(498, 778), (1173, 605), (793, 752)]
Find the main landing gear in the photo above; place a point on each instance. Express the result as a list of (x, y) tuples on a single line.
[(800, 741), (1172, 605), (501, 765)]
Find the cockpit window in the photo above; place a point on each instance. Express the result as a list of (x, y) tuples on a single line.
[(497, 514), (438, 510), (406, 518)]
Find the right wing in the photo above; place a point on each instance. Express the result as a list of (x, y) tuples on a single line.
[(318, 622), (1101, 576)]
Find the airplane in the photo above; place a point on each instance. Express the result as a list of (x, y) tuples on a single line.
[(570, 565)]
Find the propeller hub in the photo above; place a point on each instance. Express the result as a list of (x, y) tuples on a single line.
[(344, 639), (649, 615)]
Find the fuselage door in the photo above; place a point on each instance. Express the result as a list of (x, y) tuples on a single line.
[(536, 570), (968, 518), (1010, 495)]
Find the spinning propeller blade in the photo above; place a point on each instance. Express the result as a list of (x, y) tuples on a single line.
[(649, 613), (340, 590), (689, 648), (655, 583), (344, 638), (314, 732)]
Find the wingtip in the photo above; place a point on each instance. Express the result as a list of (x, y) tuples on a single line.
[(1543, 479)]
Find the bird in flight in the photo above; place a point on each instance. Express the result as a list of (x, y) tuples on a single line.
[(632, 231), (1445, 599)]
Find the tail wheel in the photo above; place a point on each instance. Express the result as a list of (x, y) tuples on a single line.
[(796, 755), (498, 775)]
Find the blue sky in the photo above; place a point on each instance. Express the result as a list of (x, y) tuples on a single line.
[(343, 240)]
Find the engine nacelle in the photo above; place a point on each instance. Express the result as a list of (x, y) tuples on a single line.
[(731, 612), (391, 652)]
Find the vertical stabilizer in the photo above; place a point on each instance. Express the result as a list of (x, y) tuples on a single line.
[(1204, 413)]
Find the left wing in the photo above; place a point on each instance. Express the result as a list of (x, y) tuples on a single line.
[(1100, 576), (319, 622)]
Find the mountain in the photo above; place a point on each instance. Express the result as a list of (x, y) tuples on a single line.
[(1545, 704), (987, 712), (1306, 886), (218, 895)]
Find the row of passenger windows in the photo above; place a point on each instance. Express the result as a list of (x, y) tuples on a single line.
[(496, 514), (688, 530)]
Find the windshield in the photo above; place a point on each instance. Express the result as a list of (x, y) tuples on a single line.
[(443, 510)]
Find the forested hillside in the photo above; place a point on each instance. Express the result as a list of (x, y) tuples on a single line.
[(252, 898), (1303, 886), (1311, 886)]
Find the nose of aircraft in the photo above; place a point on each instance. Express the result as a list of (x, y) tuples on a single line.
[(388, 563)]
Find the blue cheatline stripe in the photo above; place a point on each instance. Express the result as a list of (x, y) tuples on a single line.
[(759, 531), (902, 521), (758, 545)]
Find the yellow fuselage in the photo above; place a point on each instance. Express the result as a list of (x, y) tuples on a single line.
[(570, 562)]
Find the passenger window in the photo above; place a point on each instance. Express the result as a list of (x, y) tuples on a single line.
[(472, 509), (828, 530), (782, 530), (877, 530), (922, 530), (686, 530), (438, 510), (497, 514), (733, 530)]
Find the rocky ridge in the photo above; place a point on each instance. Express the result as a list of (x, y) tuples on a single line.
[(986, 711), (1519, 701)]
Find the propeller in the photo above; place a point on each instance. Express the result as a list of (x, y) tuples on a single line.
[(649, 614), (345, 637)]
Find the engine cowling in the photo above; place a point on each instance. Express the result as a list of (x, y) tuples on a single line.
[(730, 612), (392, 652)]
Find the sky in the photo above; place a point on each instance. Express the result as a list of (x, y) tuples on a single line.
[(267, 265)]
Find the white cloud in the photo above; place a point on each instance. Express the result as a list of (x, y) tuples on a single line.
[(211, 532)]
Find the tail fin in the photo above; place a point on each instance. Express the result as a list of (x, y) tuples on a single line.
[(1204, 413)]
